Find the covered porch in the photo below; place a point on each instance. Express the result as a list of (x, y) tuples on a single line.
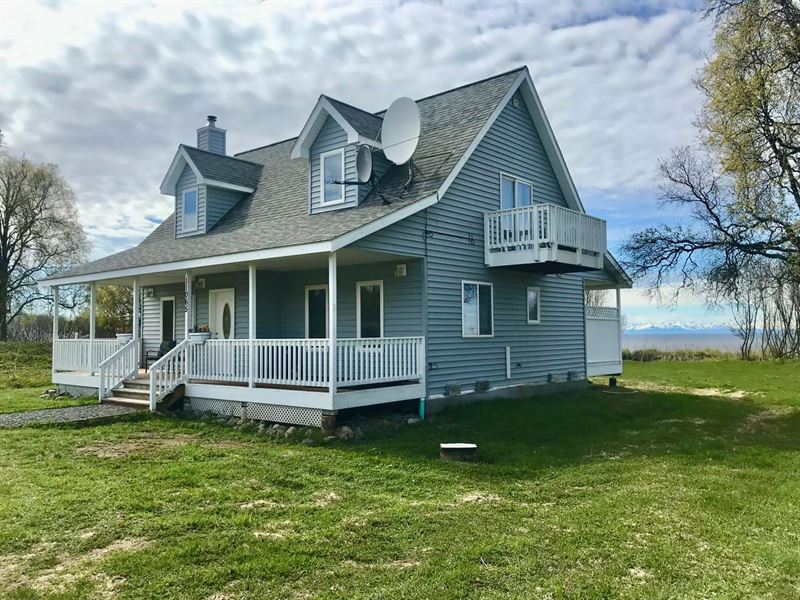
[(324, 331)]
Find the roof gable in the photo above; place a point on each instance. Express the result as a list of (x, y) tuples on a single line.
[(360, 126), (212, 169)]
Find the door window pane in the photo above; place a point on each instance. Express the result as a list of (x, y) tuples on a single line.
[(317, 313), (523, 194), (506, 193), (226, 321), (370, 310)]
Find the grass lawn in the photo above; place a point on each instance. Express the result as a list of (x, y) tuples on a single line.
[(24, 375), (654, 494)]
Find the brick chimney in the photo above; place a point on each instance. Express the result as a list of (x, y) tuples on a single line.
[(211, 137)]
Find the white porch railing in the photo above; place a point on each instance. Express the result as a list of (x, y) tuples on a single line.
[(305, 362), (379, 360), (82, 355), (119, 366), (542, 228), (168, 372)]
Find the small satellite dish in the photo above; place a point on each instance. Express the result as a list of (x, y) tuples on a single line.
[(400, 131), (364, 164)]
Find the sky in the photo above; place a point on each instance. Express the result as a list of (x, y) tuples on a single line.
[(107, 90)]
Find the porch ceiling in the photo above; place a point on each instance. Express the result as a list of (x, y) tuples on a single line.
[(303, 262)]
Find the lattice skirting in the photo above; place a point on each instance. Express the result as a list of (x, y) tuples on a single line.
[(278, 413)]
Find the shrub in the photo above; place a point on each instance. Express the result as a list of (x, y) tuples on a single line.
[(682, 355)]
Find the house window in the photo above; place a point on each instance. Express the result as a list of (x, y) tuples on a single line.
[(331, 169), (369, 309), (534, 302), (190, 210), (515, 192), (477, 309), (316, 311)]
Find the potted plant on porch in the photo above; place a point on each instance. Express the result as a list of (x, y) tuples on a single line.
[(199, 334)]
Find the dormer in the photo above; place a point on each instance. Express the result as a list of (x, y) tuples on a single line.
[(329, 142), (206, 183)]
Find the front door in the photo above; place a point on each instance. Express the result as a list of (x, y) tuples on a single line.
[(317, 311), (221, 313), (167, 319)]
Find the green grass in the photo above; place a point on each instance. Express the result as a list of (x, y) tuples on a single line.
[(653, 494), (24, 375)]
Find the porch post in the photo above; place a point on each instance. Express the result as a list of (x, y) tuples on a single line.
[(251, 322), (619, 323), (135, 323), (55, 312), (188, 313), (332, 323), (92, 331)]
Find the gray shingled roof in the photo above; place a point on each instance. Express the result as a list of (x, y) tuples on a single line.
[(227, 169), (365, 123), (276, 214)]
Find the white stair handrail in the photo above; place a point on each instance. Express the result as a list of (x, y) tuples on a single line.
[(168, 372), (118, 367)]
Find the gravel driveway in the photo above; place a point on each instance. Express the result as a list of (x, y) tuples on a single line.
[(69, 414)]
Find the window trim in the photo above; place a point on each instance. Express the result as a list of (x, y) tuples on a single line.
[(464, 334), (161, 301), (515, 179), (538, 305), (196, 227), (359, 285), (319, 286), (322, 157)]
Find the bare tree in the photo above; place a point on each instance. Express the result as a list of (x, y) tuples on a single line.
[(40, 233)]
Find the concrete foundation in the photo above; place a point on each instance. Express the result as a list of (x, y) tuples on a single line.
[(434, 405)]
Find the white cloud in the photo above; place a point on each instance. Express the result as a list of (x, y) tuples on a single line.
[(107, 90)]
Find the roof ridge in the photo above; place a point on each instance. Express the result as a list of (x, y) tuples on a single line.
[(353, 106), (218, 155), (378, 113)]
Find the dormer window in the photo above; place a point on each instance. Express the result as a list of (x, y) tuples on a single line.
[(189, 210), (332, 169)]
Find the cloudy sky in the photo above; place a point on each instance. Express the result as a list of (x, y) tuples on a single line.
[(108, 89)]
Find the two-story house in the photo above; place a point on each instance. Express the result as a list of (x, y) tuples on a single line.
[(465, 280)]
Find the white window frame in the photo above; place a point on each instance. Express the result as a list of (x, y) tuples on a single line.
[(516, 180), (161, 300), (184, 228), (538, 305), (322, 286), (359, 285), (464, 334), (322, 178)]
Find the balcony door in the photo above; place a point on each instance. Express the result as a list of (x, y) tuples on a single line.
[(516, 193), (222, 313)]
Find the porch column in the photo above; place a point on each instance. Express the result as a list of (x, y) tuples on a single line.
[(251, 321), (619, 322), (135, 322), (55, 312), (332, 322), (92, 331), (188, 313)]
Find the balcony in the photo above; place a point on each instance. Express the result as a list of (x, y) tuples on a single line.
[(546, 237)]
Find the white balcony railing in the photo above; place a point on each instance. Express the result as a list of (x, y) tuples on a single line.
[(82, 355), (541, 233)]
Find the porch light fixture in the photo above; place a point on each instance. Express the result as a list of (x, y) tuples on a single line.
[(400, 271)]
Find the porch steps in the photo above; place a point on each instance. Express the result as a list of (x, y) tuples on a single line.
[(135, 393)]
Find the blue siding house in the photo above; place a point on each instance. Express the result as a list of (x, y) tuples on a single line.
[(280, 289)]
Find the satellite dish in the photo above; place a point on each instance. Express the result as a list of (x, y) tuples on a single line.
[(400, 131), (364, 164)]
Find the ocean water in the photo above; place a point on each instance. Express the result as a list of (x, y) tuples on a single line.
[(726, 342)]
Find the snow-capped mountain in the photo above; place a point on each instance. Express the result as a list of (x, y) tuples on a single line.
[(678, 327)]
